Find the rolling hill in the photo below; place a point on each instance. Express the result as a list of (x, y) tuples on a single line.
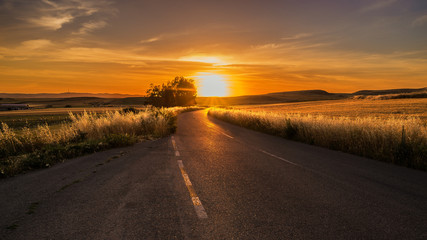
[(278, 97), (390, 91), (66, 95), (106, 99)]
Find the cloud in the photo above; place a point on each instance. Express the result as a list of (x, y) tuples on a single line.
[(50, 22), (420, 21), (52, 15), (50, 3), (36, 44), (297, 36), (378, 5), (28, 49), (293, 46), (268, 46), (150, 40), (298, 41), (91, 26)]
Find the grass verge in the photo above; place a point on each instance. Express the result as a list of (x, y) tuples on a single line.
[(25, 149), (400, 141)]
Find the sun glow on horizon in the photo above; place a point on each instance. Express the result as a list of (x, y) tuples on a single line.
[(211, 85)]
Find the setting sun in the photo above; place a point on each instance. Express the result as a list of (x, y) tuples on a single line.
[(212, 85)]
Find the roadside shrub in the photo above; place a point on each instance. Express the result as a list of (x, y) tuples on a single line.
[(120, 140), (130, 109)]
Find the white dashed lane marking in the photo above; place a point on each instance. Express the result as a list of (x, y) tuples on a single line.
[(280, 158), (198, 206), (214, 127), (175, 147), (173, 143)]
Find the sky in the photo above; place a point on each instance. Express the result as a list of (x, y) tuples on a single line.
[(232, 48)]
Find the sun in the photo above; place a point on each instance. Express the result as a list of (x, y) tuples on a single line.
[(211, 85)]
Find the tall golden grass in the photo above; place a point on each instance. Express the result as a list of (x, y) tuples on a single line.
[(92, 125), (393, 108), (398, 140), (87, 132)]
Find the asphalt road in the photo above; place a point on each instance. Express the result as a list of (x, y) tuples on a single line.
[(213, 180)]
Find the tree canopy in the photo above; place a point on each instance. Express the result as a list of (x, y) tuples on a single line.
[(180, 91)]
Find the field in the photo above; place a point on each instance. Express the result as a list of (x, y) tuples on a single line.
[(387, 130), (393, 108), (75, 102), (34, 117)]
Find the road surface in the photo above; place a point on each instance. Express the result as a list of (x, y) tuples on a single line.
[(213, 180)]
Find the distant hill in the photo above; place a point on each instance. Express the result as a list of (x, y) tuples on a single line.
[(277, 97), (107, 99), (389, 91), (305, 95), (76, 101), (391, 94), (66, 95)]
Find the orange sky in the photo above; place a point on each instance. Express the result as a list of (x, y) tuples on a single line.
[(245, 46)]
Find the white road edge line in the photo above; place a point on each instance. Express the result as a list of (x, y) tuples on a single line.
[(226, 135), (212, 126), (198, 207), (272, 155)]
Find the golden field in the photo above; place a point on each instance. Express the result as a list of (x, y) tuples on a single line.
[(392, 130), (393, 108)]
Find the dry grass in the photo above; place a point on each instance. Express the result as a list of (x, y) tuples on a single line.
[(90, 124), (32, 118), (398, 140), (55, 111), (394, 108), (144, 123), (86, 132)]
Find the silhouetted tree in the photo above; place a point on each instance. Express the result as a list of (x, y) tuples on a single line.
[(180, 91)]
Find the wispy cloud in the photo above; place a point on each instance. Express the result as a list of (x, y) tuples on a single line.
[(297, 41), (53, 15), (297, 36), (51, 22), (36, 44), (28, 49), (378, 5), (150, 40), (293, 45), (91, 26), (268, 46), (420, 21)]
